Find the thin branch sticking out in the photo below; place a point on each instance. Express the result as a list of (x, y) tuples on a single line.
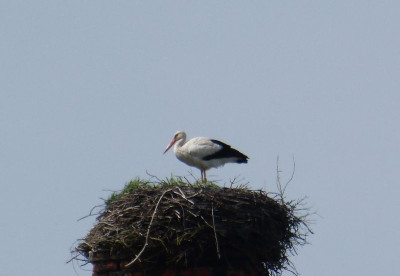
[(215, 232)]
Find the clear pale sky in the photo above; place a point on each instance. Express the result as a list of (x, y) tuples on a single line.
[(91, 93)]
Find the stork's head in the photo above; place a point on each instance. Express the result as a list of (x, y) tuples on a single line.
[(179, 135)]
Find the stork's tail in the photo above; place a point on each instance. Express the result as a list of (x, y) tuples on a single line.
[(241, 157)]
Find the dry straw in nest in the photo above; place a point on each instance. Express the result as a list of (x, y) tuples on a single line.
[(177, 224)]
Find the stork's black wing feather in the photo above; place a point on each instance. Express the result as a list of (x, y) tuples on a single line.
[(226, 152)]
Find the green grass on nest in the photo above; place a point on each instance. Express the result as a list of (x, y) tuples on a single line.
[(173, 181)]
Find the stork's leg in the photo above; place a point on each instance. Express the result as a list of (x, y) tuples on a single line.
[(203, 176)]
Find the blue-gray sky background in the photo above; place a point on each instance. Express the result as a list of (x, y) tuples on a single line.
[(92, 92)]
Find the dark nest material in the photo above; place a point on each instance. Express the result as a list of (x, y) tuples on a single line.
[(193, 226)]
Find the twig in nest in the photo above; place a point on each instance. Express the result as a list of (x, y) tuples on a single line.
[(291, 177), (215, 232), (281, 189), (153, 177), (91, 212), (182, 195), (148, 230)]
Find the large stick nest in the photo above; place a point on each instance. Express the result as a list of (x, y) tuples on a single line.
[(194, 226)]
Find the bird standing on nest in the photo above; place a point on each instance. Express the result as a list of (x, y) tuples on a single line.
[(204, 153)]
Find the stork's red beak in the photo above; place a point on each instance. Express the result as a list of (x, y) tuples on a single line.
[(170, 145)]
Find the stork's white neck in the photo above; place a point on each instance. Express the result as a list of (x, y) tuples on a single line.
[(179, 143)]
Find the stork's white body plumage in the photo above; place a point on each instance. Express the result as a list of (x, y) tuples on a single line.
[(204, 153)]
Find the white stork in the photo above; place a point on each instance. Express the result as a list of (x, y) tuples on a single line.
[(204, 153)]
